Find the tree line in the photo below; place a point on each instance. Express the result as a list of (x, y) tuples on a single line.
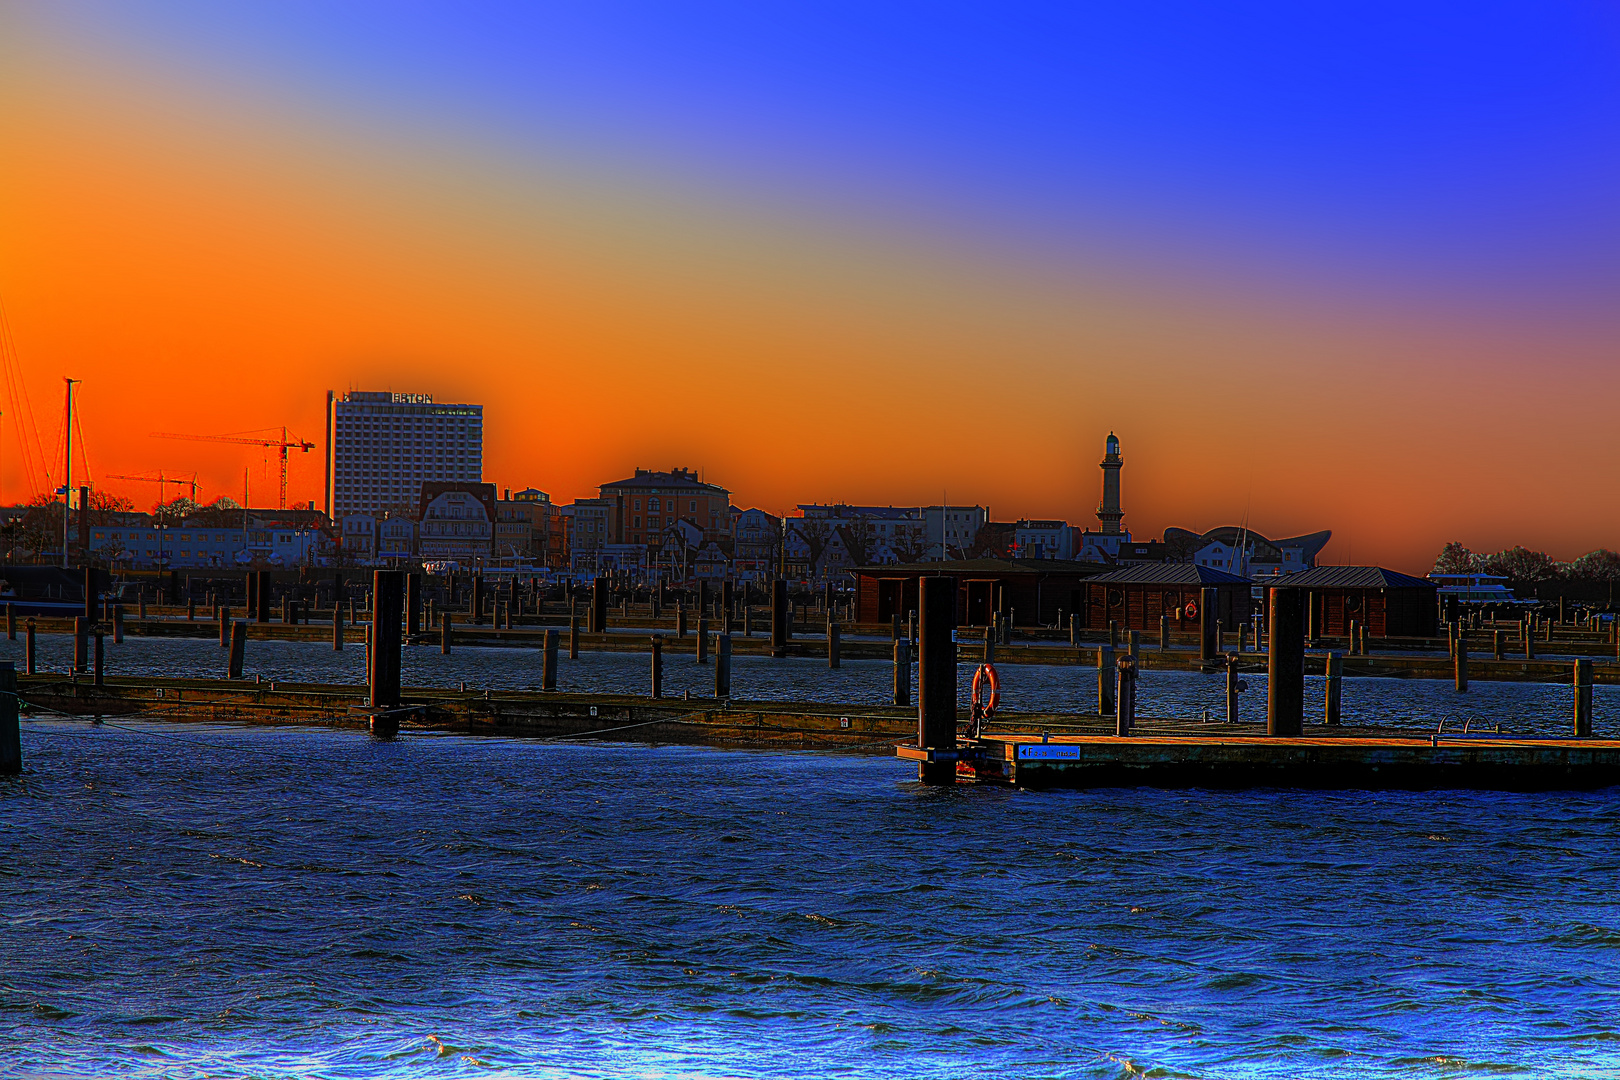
[(1522, 564)]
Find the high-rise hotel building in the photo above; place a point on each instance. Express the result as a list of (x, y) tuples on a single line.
[(381, 447)]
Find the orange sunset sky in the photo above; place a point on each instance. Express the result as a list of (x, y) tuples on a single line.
[(211, 245)]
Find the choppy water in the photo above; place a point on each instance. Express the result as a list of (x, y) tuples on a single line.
[(194, 900), (1543, 708)]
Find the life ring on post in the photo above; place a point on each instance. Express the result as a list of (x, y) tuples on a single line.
[(986, 695), (1191, 609)]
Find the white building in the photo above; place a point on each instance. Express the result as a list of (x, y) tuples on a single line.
[(1043, 539), (951, 530), (382, 447)]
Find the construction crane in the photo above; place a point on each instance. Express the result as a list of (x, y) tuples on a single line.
[(283, 444), (160, 480)]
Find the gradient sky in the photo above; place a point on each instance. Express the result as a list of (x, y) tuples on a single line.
[(1355, 269)]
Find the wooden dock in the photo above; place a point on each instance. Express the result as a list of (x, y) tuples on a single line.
[(1228, 759)]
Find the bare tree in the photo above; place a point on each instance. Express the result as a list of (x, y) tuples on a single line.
[(859, 539)]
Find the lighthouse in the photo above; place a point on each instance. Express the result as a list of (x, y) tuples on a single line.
[(1109, 512)]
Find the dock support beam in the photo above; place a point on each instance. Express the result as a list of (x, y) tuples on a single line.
[(1583, 698), (779, 618), (1334, 688), (1285, 690), (1208, 645), (548, 663), (10, 729), (936, 676)]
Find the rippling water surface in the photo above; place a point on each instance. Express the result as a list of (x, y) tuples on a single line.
[(204, 900)]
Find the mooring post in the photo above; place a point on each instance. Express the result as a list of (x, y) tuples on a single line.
[(597, 622), (1285, 690), (936, 679), (224, 615), (1113, 633), (989, 645), (117, 624), (779, 618), (477, 609), (1074, 629), (1164, 632), (90, 594), (548, 662), (1334, 684), (140, 601), (266, 590), (722, 665), (1125, 696), (238, 653), (413, 606), (1233, 685), (573, 637), (1133, 642), (81, 643), (10, 728), (1451, 640), (447, 623), (337, 629), (101, 660), (1583, 698), (703, 639), (680, 618), (11, 622), (1366, 645), (1529, 642), (191, 609), (835, 635), (1207, 646), (1496, 644), (1460, 665), (29, 655), (1105, 679), (657, 667), (387, 615), (902, 672), (1243, 637), (896, 632)]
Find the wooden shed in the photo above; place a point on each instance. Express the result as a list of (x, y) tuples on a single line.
[(1034, 592), (1137, 596), (1387, 602)]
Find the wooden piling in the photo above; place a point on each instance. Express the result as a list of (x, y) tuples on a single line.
[(989, 645), (29, 655), (1105, 680), (1496, 644), (447, 622), (265, 591), (1113, 633), (81, 643), (118, 624), (680, 618), (722, 665), (224, 627), (834, 641), (573, 638), (1459, 664), (1285, 691), (936, 678), (477, 608), (779, 618), (1243, 637), (657, 667), (1583, 698), (1207, 646), (10, 727), (1232, 685), (101, 660), (90, 591), (1333, 687), (548, 663), (387, 615), (1352, 639), (1074, 630), (11, 623), (140, 602), (1164, 631), (1125, 696), (597, 623), (337, 628), (238, 653), (191, 609), (902, 672), (413, 606), (703, 639), (1133, 644)]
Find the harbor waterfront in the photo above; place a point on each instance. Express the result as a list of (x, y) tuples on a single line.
[(244, 901)]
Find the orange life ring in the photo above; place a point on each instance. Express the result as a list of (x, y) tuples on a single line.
[(1191, 609), (984, 709)]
